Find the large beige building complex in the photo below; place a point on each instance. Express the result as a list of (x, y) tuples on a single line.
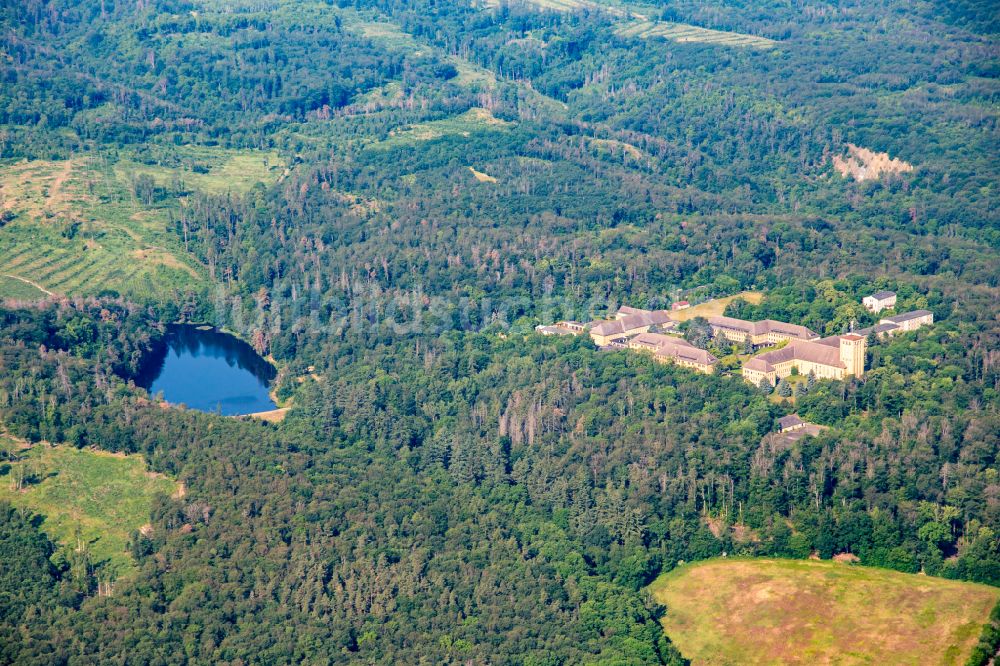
[(766, 332), (803, 351), (670, 349), (835, 357)]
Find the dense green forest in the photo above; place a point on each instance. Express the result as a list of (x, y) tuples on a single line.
[(437, 178)]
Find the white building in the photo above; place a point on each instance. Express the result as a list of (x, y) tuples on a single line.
[(879, 301), (901, 323)]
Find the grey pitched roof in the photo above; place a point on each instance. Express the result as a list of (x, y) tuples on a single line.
[(758, 364), (802, 350), (878, 328), (608, 327), (907, 316), (553, 329), (684, 351), (751, 327), (764, 326), (673, 347), (631, 322), (882, 295), (789, 421), (658, 340)]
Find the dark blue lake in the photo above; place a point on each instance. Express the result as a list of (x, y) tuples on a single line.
[(209, 371)]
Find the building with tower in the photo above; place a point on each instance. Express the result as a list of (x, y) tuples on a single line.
[(835, 357)]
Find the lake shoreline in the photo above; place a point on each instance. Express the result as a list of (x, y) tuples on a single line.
[(208, 370)]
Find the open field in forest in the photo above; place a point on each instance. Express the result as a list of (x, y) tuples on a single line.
[(715, 307), (86, 497), (555, 5), (76, 229), (104, 259), (481, 176), (682, 32), (643, 27), (616, 147), (383, 32), (772, 611), (613, 8), (11, 287), (393, 37), (469, 74), (473, 120), (565, 5), (208, 169)]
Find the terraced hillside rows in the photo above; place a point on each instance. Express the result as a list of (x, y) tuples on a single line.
[(77, 227), (63, 271), (74, 229), (86, 267)]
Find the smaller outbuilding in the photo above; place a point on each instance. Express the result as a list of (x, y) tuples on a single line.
[(561, 328), (880, 300), (790, 422)]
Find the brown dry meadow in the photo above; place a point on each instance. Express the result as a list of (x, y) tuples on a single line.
[(715, 307), (772, 611)]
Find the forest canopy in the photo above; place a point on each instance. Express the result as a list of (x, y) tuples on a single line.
[(385, 197)]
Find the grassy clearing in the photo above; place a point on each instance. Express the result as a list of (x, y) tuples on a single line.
[(388, 34), (208, 169), (642, 27), (567, 6), (682, 32), (716, 307), (770, 611), (19, 289), (86, 496), (469, 75), (616, 147), (393, 37), (482, 177), (78, 230), (473, 120), (42, 188), (636, 22)]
